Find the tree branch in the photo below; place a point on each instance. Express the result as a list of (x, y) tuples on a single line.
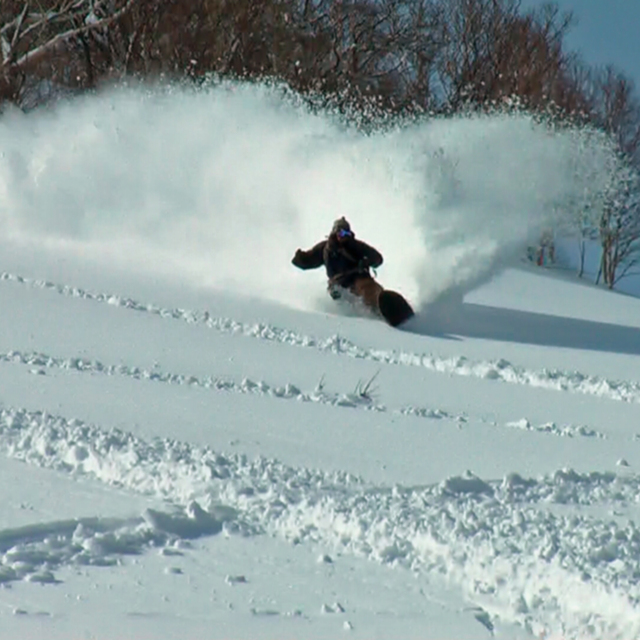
[(39, 53)]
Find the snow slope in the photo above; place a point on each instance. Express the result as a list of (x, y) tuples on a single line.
[(195, 443)]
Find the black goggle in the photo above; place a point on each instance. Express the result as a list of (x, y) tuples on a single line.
[(345, 233)]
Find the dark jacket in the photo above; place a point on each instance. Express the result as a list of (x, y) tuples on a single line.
[(344, 261)]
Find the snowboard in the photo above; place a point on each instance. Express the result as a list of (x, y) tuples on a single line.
[(394, 308)]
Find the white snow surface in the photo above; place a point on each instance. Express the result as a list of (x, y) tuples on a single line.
[(195, 443)]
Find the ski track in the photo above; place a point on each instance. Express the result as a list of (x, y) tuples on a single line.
[(359, 399), (567, 430), (505, 543), (499, 370), (33, 552)]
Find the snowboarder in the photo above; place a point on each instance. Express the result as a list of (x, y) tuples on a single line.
[(347, 262)]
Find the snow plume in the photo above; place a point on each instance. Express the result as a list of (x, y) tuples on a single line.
[(220, 186)]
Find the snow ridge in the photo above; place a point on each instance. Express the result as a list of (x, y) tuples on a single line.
[(359, 399), (567, 431), (499, 370), (507, 543), (34, 552)]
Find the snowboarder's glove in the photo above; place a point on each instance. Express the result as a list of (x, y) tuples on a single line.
[(298, 257)]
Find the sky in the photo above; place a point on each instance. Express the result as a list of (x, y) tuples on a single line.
[(604, 32)]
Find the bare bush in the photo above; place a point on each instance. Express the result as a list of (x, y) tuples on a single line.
[(620, 227)]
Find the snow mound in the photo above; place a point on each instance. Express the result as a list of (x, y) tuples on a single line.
[(500, 540)]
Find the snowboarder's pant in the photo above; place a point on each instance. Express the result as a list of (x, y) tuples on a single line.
[(368, 289)]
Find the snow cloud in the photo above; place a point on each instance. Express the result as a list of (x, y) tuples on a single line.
[(219, 187)]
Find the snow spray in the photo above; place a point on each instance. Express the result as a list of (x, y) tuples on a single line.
[(220, 186)]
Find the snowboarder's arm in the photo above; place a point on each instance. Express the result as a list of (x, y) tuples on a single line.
[(371, 256), (311, 259)]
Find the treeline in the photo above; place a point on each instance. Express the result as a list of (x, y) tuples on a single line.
[(437, 56), (403, 56)]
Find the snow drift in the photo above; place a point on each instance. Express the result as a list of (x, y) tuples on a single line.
[(222, 185)]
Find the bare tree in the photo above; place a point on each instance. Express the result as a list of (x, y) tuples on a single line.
[(52, 40), (403, 56), (367, 49), (493, 51), (620, 229), (618, 110)]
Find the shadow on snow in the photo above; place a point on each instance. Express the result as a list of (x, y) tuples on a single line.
[(509, 325)]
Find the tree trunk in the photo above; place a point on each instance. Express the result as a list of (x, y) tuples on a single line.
[(582, 252)]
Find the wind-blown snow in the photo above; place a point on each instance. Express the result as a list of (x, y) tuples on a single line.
[(220, 186)]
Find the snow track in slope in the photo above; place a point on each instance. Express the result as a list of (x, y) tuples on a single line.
[(499, 370), (359, 399), (34, 552), (520, 548)]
